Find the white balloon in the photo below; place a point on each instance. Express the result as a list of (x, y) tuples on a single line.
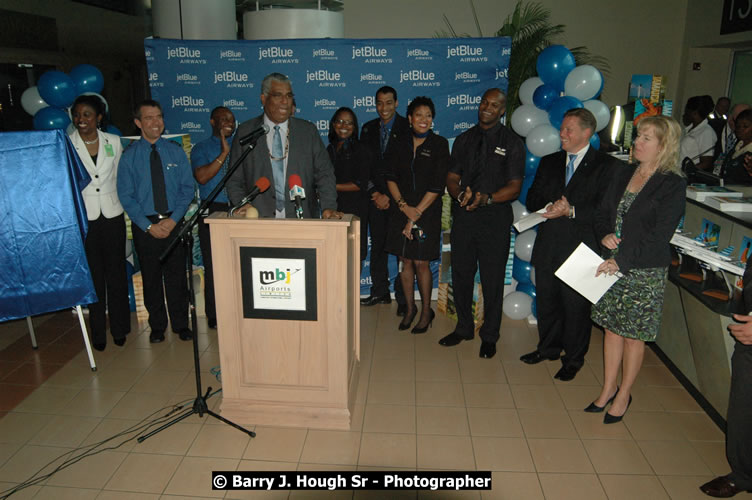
[(584, 82), (532, 275), (527, 89), (527, 117), (543, 140), (518, 210), (524, 243), (31, 101), (518, 305), (600, 111)]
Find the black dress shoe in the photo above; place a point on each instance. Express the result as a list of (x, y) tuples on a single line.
[(425, 328), (535, 357), (212, 323), (373, 300), (594, 408), (401, 309), (408, 320), (98, 346), (155, 337), (566, 373), (119, 342), (185, 334), (487, 350), (720, 487), (452, 339), (612, 419)]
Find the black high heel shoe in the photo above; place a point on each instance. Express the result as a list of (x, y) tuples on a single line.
[(408, 319), (594, 408), (612, 419), (425, 328)]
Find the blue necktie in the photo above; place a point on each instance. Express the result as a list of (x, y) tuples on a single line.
[(384, 139), (570, 168), (278, 169)]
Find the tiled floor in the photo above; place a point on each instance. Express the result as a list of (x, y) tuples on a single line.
[(420, 406)]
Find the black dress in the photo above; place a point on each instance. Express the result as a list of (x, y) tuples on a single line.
[(425, 172), (352, 163)]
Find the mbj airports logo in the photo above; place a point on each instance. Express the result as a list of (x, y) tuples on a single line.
[(277, 283), (231, 79), (371, 54), (367, 102), (463, 101), (278, 55), (325, 78), (419, 54), (466, 53), (325, 54), (278, 276), (154, 80), (419, 78), (232, 55), (186, 55)]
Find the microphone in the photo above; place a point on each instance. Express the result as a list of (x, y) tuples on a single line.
[(297, 193), (261, 185), (253, 136)]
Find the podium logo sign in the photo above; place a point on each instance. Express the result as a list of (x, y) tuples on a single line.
[(278, 283)]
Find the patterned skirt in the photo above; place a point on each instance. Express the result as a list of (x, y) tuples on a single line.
[(633, 306)]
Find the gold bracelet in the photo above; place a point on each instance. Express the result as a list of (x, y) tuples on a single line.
[(219, 161), (401, 202)]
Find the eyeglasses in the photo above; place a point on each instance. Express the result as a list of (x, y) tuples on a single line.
[(348, 123)]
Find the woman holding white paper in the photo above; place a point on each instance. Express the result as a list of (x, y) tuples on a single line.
[(639, 213)]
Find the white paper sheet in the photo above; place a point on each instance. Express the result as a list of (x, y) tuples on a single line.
[(531, 220), (578, 271)]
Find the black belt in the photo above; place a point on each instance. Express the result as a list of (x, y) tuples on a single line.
[(154, 219)]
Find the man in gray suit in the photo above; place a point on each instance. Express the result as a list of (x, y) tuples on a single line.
[(292, 147)]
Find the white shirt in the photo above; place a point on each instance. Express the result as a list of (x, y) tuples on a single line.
[(580, 155), (697, 142), (284, 133)]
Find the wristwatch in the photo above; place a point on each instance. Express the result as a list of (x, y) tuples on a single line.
[(148, 227), (489, 200)]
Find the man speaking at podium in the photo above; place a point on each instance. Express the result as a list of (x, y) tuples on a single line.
[(292, 147)]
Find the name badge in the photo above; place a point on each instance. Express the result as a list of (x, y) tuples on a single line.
[(108, 150), (426, 152), (171, 165), (500, 151)]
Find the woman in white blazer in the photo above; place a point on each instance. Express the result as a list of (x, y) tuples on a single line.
[(105, 242)]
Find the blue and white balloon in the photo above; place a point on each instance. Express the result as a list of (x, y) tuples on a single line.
[(527, 117), (583, 82), (528, 88), (543, 140)]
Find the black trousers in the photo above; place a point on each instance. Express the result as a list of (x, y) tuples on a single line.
[(739, 418), (378, 224), (480, 238), (563, 317), (105, 251), (155, 274), (205, 244)]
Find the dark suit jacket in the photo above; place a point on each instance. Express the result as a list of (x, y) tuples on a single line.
[(557, 238), (650, 222), (370, 135), (307, 158)]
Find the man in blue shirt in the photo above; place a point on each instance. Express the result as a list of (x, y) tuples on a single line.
[(155, 188), (209, 159)]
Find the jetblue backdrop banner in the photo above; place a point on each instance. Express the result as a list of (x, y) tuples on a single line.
[(189, 78)]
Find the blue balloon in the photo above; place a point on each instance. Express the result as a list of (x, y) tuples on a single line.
[(50, 118), (595, 141), (112, 129), (57, 89), (531, 163), (560, 106), (87, 78), (544, 96), (527, 288), (554, 64), (521, 271), (526, 183)]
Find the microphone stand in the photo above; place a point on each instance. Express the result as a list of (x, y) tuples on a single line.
[(185, 237)]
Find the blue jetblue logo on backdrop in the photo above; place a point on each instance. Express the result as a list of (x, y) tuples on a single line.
[(278, 55), (368, 102), (372, 78), (325, 54), (371, 54), (325, 78), (464, 101), (191, 126), (466, 53), (231, 55), (148, 54), (325, 103), (235, 104), (419, 54), (187, 79), (462, 126), (323, 126), (419, 78), (189, 103), (502, 73), (466, 77), (186, 55), (154, 80), (232, 79)]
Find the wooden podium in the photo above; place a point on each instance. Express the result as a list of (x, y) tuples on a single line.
[(288, 319)]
